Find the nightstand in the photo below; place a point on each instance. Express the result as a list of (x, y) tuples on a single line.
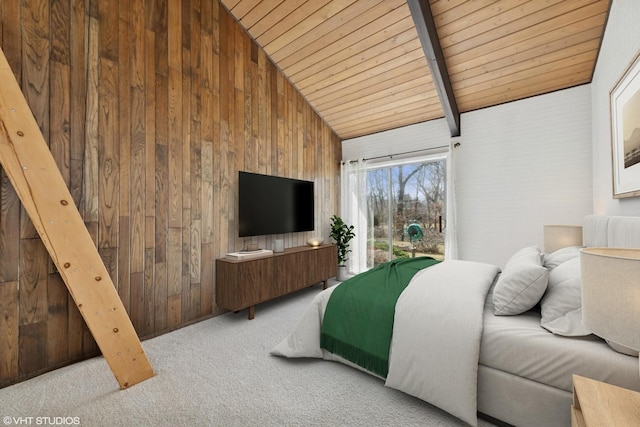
[(600, 404)]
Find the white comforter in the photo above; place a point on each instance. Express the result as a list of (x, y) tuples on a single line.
[(436, 335)]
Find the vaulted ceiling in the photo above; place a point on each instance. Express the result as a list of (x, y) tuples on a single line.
[(362, 65)]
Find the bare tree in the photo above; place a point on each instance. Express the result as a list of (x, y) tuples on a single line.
[(432, 186), (400, 218), (378, 187), (416, 194)]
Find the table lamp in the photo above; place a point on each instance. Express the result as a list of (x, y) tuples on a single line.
[(611, 296), (561, 236)]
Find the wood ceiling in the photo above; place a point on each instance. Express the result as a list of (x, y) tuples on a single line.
[(362, 66)]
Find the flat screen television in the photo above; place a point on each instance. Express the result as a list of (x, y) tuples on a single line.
[(270, 204)]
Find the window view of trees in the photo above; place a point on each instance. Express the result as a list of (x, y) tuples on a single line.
[(398, 197)]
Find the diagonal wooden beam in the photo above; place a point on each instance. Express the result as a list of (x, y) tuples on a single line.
[(35, 176), (423, 19)]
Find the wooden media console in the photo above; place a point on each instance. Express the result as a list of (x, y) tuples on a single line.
[(244, 283)]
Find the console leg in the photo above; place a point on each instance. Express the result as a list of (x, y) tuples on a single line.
[(252, 312), (324, 284)]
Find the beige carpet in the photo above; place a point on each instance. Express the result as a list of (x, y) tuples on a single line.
[(219, 373)]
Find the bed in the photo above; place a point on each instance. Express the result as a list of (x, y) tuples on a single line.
[(500, 343)]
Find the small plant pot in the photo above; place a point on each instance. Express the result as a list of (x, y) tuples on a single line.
[(342, 273)]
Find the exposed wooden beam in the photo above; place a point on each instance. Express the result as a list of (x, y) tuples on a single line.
[(421, 13)]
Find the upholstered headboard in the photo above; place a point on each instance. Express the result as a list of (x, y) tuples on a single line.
[(611, 231)]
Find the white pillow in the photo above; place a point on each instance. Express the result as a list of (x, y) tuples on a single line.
[(528, 255), (521, 284), (556, 258), (561, 305)]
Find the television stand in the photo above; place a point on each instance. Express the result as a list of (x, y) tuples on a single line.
[(244, 283)]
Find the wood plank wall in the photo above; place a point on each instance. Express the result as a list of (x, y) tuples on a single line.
[(150, 108)]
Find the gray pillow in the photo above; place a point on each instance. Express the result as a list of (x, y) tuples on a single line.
[(561, 305), (521, 284)]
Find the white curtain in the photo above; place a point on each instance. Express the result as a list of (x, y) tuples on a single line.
[(450, 231), (353, 210)]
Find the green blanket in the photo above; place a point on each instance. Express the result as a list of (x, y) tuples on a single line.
[(358, 320)]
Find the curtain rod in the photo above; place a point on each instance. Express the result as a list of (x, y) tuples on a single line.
[(407, 152)]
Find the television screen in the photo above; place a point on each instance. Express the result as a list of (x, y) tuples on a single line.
[(273, 205)]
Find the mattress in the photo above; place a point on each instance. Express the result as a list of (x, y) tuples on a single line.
[(518, 345)]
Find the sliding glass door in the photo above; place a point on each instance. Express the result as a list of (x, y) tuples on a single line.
[(406, 204)]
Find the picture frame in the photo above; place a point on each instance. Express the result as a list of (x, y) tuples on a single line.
[(624, 100)]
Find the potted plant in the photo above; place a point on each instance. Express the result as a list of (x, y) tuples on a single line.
[(342, 234)]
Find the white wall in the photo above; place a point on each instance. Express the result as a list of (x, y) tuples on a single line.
[(522, 165), (406, 139), (620, 44)]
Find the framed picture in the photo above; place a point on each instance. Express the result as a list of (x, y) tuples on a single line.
[(625, 131)]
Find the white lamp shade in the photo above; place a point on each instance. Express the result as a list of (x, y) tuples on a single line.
[(561, 236), (611, 295)]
